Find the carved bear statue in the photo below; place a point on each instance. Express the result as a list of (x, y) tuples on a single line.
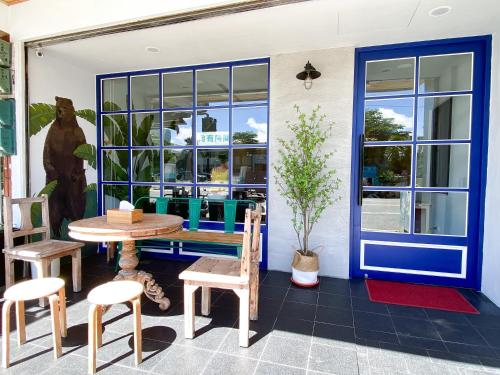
[(64, 136)]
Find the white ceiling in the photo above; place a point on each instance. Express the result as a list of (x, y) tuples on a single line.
[(303, 26)]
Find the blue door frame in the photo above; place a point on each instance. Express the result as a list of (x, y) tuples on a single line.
[(411, 257)]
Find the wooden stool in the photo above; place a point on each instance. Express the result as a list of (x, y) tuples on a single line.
[(112, 293), (50, 287)]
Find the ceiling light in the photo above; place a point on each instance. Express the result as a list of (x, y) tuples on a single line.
[(152, 49), (440, 11)]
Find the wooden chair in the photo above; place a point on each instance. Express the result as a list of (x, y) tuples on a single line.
[(240, 276), (50, 287), (41, 253), (108, 294)]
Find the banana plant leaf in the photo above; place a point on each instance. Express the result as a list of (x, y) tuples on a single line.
[(86, 114), (40, 115), (36, 209), (87, 152)]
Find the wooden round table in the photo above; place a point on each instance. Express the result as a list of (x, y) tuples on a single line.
[(97, 229)]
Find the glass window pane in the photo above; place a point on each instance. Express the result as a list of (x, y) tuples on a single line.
[(212, 127), (113, 194), (145, 91), (250, 125), (146, 129), (444, 117), (445, 73), (389, 119), (250, 84), (114, 94), (387, 211), (443, 165), (212, 208), (387, 166), (146, 165), (115, 165), (390, 77), (143, 191), (177, 128), (441, 213), (114, 130), (249, 165), (172, 191), (257, 195), (178, 89), (213, 166), (178, 165), (212, 87)]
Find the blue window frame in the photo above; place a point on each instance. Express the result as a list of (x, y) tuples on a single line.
[(411, 249), (185, 131)]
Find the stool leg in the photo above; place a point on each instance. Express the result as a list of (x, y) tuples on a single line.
[(56, 328), (205, 300), (62, 312), (20, 324), (189, 310), (98, 326), (76, 265), (137, 330), (6, 333), (92, 338)]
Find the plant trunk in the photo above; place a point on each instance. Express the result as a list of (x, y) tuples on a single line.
[(306, 234)]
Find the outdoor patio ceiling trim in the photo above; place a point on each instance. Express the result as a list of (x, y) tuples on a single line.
[(171, 19)]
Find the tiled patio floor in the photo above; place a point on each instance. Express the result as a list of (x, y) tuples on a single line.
[(334, 329)]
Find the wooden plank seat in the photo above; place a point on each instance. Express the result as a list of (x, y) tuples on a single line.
[(201, 236), (40, 253), (240, 276)]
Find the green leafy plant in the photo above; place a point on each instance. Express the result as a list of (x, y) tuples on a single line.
[(302, 173), (43, 114)]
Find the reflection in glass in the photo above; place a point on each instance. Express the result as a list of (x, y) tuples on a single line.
[(178, 165), (212, 86), (115, 165), (146, 165), (441, 213), (144, 91), (113, 194), (444, 117), (249, 165), (212, 207), (177, 191), (114, 130), (250, 84), (387, 166), (443, 165), (178, 89), (114, 94), (143, 191), (257, 195), (250, 125), (390, 77), (445, 73), (386, 211), (179, 203), (212, 127), (213, 166), (389, 119), (177, 128), (146, 129)]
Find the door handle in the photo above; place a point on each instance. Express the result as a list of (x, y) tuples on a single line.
[(360, 168)]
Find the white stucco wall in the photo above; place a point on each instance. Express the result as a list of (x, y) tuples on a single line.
[(333, 91), (3, 17)]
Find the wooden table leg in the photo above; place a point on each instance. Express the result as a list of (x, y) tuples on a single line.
[(128, 262)]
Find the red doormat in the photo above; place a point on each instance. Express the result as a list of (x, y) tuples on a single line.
[(429, 297)]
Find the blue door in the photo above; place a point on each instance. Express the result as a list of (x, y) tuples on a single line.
[(419, 152)]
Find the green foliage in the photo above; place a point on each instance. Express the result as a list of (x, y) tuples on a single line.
[(380, 128), (246, 138), (302, 173), (36, 208), (90, 187), (87, 152), (40, 115), (86, 114)]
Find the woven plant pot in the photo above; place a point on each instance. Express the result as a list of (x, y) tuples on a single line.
[(305, 269)]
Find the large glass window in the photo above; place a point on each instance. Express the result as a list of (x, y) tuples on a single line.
[(190, 132)]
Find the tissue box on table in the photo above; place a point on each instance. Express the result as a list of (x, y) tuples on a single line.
[(126, 214)]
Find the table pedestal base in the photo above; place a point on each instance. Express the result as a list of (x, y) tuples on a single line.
[(128, 262)]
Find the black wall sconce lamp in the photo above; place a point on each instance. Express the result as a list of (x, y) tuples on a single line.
[(308, 74)]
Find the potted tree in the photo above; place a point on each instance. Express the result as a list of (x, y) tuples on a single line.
[(308, 184)]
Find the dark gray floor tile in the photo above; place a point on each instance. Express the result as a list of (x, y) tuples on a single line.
[(422, 343), (415, 327), (302, 296), (333, 335), (336, 286), (269, 308), (375, 336), (459, 334), (293, 328), (333, 360), (407, 311), (277, 278), (336, 301), (446, 317), (297, 310), (286, 351), (264, 368), (358, 288), (475, 350), (334, 316), (483, 320), (373, 322), (491, 335), (273, 292), (228, 364), (361, 304)]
